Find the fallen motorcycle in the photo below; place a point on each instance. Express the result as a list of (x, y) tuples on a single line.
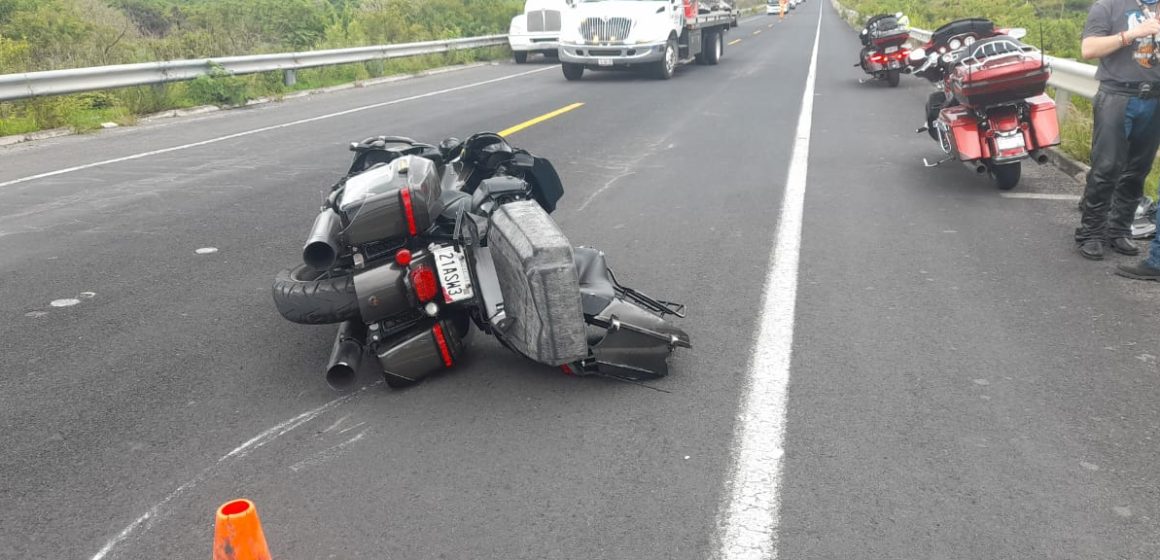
[(417, 243), (884, 55), (990, 112)]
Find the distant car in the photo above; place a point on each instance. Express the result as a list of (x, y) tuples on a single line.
[(772, 8)]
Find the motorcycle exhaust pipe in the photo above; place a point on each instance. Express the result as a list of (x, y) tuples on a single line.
[(345, 358), (321, 249), (978, 166), (1039, 156)]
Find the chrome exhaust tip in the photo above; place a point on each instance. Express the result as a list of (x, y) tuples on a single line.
[(1040, 156), (978, 166)]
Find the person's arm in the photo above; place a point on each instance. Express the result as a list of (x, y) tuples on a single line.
[(1101, 46)]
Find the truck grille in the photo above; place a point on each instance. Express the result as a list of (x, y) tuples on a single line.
[(609, 30), (543, 20)]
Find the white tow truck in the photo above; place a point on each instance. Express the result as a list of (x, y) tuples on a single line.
[(651, 35), (537, 30)]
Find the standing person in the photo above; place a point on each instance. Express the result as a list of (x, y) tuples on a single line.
[(783, 7), (1126, 127), (1148, 268)]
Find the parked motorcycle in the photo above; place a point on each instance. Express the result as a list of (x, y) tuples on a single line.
[(990, 112), (417, 243), (884, 55)]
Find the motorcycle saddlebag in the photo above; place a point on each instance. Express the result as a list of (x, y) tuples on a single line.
[(425, 349), (399, 199), (541, 317), (963, 129), (998, 80), (1044, 123)]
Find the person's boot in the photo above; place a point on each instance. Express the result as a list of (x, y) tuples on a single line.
[(1125, 246), (1139, 271), (1093, 249)]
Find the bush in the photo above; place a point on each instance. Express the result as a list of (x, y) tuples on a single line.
[(219, 87)]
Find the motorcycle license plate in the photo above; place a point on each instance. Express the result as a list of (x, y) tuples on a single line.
[(604, 62), (453, 275), (1013, 142), (891, 50)]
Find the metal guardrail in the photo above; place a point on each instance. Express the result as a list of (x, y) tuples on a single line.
[(56, 82)]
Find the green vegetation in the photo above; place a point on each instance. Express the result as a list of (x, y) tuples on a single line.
[(55, 34), (1053, 25)]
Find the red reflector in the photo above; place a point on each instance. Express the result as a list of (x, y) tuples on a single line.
[(424, 283), (408, 210), (403, 257), (567, 369), (441, 341)]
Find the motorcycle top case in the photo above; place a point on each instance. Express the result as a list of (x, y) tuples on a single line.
[(542, 316), (399, 199), (999, 79)]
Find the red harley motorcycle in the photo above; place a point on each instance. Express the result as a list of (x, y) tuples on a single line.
[(884, 54), (990, 112)]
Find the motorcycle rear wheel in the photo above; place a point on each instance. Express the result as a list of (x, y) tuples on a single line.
[(303, 295), (1007, 175), (893, 77)]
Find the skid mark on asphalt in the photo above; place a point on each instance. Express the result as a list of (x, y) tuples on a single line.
[(269, 128), (625, 169), (239, 452), (327, 454)]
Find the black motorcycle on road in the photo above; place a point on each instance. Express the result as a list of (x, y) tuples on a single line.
[(417, 243)]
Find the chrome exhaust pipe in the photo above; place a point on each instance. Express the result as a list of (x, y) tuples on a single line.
[(1039, 156), (321, 249), (345, 358), (978, 166)]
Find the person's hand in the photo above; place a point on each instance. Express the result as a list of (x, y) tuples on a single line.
[(1150, 26)]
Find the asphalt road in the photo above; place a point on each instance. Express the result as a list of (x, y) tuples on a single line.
[(962, 385)]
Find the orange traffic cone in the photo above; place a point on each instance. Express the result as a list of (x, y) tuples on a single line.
[(237, 533)]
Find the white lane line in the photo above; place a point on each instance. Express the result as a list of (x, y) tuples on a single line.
[(1041, 196), (268, 128), (241, 451), (750, 519)]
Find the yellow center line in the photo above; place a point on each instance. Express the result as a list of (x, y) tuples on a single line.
[(756, 32), (734, 42), (539, 119)]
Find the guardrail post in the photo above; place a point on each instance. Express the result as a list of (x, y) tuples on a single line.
[(289, 77), (1062, 104)]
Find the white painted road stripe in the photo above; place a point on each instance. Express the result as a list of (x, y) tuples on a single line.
[(749, 522), (1041, 196), (266, 128)]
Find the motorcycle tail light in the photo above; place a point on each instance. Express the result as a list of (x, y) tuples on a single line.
[(424, 283), (408, 210)]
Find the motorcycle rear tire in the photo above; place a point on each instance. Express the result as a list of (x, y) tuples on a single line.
[(302, 297), (1007, 175), (893, 77)]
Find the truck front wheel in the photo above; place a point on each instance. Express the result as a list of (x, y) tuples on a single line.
[(665, 67), (572, 71), (520, 56)]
